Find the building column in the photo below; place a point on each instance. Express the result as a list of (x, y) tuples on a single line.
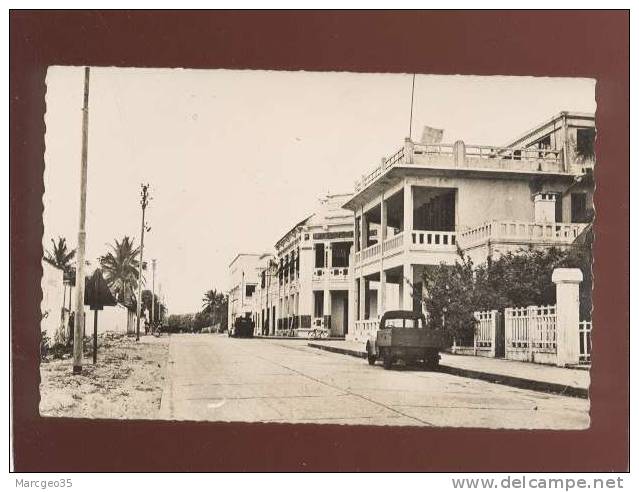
[(384, 219), (567, 282), (408, 208), (363, 232), (406, 290), (327, 309), (328, 252), (356, 236), (352, 304), (381, 294), (362, 298)]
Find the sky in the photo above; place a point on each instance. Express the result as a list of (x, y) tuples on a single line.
[(235, 158)]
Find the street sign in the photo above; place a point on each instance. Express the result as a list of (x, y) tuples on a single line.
[(97, 295)]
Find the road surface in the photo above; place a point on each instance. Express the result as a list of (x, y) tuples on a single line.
[(216, 378)]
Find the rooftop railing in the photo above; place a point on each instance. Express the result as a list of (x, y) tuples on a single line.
[(468, 156)]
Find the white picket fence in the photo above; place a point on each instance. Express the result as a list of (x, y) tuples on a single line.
[(531, 333), (585, 341), (528, 334), (484, 338)]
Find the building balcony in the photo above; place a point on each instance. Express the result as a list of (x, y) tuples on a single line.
[(433, 247), (521, 233), (459, 156), (330, 274), (415, 241)]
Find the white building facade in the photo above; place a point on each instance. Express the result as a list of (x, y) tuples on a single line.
[(306, 286), (243, 280), (430, 198)]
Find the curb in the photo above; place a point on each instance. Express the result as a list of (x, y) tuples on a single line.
[(516, 382), (328, 339), (338, 350)]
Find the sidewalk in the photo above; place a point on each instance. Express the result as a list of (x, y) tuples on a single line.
[(526, 375)]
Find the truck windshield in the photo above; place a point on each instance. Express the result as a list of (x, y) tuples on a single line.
[(403, 323)]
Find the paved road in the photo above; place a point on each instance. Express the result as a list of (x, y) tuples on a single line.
[(213, 377)]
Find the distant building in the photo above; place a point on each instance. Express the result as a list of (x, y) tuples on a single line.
[(243, 280), (428, 199), (267, 296), (309, 279), (53, 301)]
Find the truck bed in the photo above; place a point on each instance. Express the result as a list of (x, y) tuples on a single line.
[(411, 337)]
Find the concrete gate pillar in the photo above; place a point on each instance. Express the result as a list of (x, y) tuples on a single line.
[(567, 282)]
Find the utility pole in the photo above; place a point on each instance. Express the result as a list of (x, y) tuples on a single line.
[(153, 261), (78, 334), (412, 96), (144, 202)]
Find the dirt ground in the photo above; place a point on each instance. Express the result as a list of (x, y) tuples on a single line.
[(126, 382)]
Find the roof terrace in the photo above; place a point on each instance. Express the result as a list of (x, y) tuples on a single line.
[(460, 156)]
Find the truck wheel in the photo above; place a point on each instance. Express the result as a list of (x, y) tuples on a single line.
[(431, 361), (370, 356), (388, 360)]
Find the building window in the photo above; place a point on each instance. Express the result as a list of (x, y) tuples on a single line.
[(319, 255), (544, 143), (578, 207), (250, 290), (340, 254), (585, 143)]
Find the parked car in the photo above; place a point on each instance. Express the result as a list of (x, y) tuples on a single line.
[(242, 328), (403, 335)]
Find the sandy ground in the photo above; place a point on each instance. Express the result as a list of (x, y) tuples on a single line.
[(126, 382)]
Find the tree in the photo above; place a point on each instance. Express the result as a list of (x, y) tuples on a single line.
[(121, 269), (146, 304), (60, 256), (215, 305), (455, 292), (451, 297)]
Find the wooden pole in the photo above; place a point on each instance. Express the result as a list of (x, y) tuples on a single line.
[(144, 202), (79, 274), (153, 296), (412, 95), (95, 336)]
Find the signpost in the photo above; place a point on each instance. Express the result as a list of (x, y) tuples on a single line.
[(97, 295)]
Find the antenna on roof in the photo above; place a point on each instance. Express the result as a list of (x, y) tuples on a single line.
[(412, 96)]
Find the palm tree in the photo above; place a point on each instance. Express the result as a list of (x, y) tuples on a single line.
[(210, 301), (121, 269), (60, 256)]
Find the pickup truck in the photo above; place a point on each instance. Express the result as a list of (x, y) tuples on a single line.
[(403, 335)]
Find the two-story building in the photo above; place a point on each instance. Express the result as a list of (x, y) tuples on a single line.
[(311, 273), (430, 198), (243, 280), (266, 297)]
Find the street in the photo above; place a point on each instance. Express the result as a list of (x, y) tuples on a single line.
[(216, 378)]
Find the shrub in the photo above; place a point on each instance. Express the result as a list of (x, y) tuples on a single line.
[(454, 292)]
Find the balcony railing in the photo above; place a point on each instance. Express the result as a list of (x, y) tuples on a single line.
[(417, 241), (525, 232), (468, 156), (364, 329), (333, 273), (432, 240), (395, 242), (396, 158), (446, 241)]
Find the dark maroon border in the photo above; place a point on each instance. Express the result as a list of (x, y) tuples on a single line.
[(559, 43)]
